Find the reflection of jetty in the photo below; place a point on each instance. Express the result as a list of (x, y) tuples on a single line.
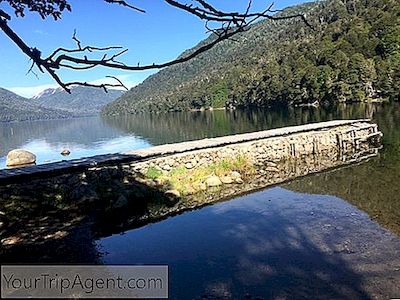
[(148, 184)]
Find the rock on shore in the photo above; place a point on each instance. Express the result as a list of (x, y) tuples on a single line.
[(19, 157)]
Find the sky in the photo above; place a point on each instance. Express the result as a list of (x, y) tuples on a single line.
[(159, 35)]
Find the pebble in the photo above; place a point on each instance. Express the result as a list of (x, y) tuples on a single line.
[(65, 152), (272, 169), (226, 180), (271, 164), (239, 180), (170, 162), (235, 175), (167, 167), (213, 181)]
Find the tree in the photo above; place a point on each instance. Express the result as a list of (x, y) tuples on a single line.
[(223, 25)]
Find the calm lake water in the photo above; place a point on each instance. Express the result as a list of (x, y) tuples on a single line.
[(95, 135), (333, 235)]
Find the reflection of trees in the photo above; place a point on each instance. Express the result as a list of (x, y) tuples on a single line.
[(171, 127), (177, 127), (83, 131), (374, 186)]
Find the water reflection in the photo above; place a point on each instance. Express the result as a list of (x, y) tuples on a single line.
[(118, 199), (274, 244), (83, 136), (94, 135), (176, 127), (91, 136), (374, 186)]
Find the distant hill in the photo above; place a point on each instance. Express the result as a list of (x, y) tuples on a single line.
[(17, 108), (81, 101), (351, 55)]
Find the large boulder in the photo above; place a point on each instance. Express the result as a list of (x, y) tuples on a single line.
[(20, 157)]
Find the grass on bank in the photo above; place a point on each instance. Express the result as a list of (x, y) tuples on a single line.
[(190, 181)]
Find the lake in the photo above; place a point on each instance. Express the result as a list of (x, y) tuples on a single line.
[(333, 234), (95, 135)]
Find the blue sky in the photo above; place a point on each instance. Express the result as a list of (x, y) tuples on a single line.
[(160, 34)]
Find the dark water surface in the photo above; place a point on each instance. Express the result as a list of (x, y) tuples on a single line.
[(273, 244), (333, 235)]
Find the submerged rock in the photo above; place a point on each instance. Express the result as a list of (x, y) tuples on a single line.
[(19, 157), (65, 152), (10, 241)]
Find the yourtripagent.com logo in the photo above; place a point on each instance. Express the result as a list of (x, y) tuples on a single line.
[(18, 281)]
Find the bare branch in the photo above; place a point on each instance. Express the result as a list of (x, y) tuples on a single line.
[(104, 86), (4, 15), (124, 3)]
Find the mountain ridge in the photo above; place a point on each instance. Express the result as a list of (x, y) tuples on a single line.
[(81, 101), (17, 108), (351, 55), (54, 103)]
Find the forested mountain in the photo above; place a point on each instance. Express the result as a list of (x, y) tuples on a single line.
[(352, 53), (82, 100), (17, 108)]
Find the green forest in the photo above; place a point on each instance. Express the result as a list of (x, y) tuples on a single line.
[(351, 54)]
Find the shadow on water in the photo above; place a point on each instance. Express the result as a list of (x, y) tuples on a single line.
[(57, 222), (103, 200), (273, 244)]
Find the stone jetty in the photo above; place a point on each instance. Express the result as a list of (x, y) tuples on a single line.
[(167, 179)]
